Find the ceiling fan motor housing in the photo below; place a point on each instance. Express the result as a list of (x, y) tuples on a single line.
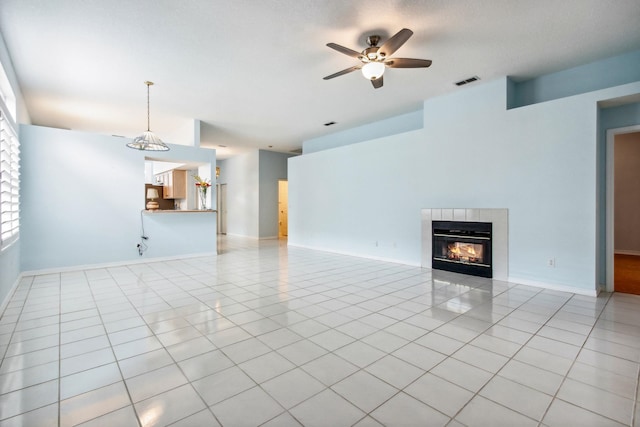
[(373, 40), (371, 53)]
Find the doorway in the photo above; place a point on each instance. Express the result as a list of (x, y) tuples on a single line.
[(623, 210), (222, 208), (283, 209)]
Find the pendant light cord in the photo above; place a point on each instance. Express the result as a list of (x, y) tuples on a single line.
[(148, 141), (148, 114)]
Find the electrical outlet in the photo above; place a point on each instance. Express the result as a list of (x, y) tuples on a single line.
[(551, 263)]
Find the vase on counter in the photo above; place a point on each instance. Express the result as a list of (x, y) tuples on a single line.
[(201, 187), (203, 198)]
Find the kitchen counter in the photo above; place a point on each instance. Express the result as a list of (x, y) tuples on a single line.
[(179, 232), (160, 211)]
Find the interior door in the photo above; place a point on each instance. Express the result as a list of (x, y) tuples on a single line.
[(283, 208), (626, 218), (222, 209)]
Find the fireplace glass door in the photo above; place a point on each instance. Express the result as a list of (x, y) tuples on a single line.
[(462, 247)]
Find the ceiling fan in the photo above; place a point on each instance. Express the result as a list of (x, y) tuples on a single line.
[(375, 59)]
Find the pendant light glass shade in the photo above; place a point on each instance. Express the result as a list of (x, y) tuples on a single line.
[(148, 141)]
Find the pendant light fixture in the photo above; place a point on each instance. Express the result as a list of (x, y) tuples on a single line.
[(148, 141)]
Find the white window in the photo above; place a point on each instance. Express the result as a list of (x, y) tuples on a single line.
[(7, 96), (9, 179)]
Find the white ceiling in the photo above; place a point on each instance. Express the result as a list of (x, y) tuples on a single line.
[(252, 70)]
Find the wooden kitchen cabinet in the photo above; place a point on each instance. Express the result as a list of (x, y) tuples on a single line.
[(174, 184)]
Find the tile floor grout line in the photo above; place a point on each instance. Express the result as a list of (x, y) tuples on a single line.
[(189, 382), (3, 358), (182, 282), (555, 395), (636, 402), (550, 317), (573, 362), (96, 304), (477, 393), (361, 369), (523, 345), (300, 366), (396, 322), (451, 419), (15, 324), (59, 348)]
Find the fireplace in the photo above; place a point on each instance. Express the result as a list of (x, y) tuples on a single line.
[(497, 217), (462, 247)]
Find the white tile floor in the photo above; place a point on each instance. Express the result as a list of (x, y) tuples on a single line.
[(275, 336)]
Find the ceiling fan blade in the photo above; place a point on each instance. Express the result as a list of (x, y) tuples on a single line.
[(345, 71), (407, 63), (394, 43), (345, 50), (377, 83)]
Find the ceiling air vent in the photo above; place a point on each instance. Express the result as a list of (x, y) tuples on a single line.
[(296, 151), (467, 81), (330, 123)]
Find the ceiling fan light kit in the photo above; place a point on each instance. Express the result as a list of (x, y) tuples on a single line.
[(374, 60), (373, 70)]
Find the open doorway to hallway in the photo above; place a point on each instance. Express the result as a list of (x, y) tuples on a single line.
[(222, 208), (624, 208), (283, 208)]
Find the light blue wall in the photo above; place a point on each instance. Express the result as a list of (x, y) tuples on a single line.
[(252, 192), (273, 167), (391, 126), (82, 195), (241, 174), (177, 234), (614, 71), (538, 161), (620, 116)]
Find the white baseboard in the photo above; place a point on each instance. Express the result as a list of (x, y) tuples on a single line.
[(515, 280), (244, 236), (358, 255), (9, 295), (252, 237), (625, 252), (114, 264), (554, 287)]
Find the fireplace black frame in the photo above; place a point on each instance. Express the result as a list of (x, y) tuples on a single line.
[(444, 232)]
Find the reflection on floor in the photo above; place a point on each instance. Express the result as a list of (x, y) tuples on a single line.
[(269, 335), (627, 273)]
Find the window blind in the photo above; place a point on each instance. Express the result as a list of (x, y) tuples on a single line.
[(9, 181)]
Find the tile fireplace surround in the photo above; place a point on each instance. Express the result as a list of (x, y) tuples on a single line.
[(500, 238)]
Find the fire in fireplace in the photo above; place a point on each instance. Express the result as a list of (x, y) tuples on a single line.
[(462, 247), (465, 252)]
